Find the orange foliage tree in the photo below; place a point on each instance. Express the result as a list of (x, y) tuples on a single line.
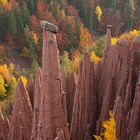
[(40, 9), (85, 37), (35, 37), (61, 40), (34, 22), (76, 59), (5, 4)]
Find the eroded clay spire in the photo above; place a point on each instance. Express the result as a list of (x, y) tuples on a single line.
[(21, 120), (84, 108), (52, 118), (108, 38)]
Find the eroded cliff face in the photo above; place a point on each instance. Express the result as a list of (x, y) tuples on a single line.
[(30, 89), (4, 127), (69, 88), (36, 107), (119, 87), (52, 119), (22, 115), (56, 107), (84, 109)]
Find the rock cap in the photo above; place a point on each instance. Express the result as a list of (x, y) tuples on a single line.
[(49, 26)]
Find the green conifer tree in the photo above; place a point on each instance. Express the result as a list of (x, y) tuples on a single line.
[(2, 29), (19, 20), (130, 9), (31, 6), (25, 14), (110, 4), (12, 23)]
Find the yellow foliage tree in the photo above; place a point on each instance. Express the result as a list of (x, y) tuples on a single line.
[(14, 80), (114, 40), (109, 129), (98, 12), (94, 58), (2, 87), (98, 137), (35, 37), (25, 52), (129, 37), (75, 62), (70, 21), (5, 72), (3, 2), (7, 81)]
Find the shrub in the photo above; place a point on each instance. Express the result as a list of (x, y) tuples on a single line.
[(75, 62), (109, 127), (98, 46), (7, 81), (129, 37), (25, 52), (114, 40), (65, 62), (94, 58)]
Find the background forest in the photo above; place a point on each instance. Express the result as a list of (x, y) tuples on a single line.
[(82, 25)]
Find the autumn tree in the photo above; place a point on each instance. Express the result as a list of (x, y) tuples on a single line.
[(34, 21), (98, 12), (5, 4), (76, 60), (40, 8), (94, 58), (69, 27), (7, 81), (65, 62), (85, 37), (109, 127)]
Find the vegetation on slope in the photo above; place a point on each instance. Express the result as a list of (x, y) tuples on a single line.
[(82, 25)]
